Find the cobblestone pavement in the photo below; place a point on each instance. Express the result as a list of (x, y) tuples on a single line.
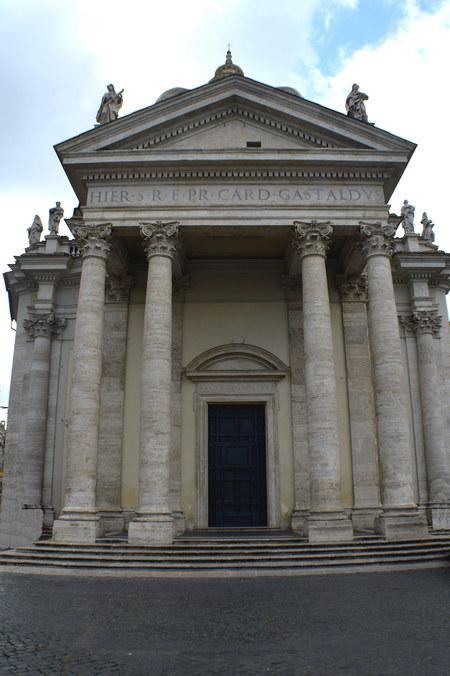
[(380, 624)]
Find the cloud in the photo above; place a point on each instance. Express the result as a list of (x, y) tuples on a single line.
[(405, 77)]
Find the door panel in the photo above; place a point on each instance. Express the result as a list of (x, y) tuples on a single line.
[(237, 466)]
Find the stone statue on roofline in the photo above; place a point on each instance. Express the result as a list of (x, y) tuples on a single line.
[(34, 231), (110, 105), (407, 213), (354, 104), (427, 228), (54, 217)]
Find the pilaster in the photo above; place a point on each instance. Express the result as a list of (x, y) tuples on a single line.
[(366, 478), (299, 518)]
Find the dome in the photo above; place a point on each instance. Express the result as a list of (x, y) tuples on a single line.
[(291, 90), (228, 68), (169, 93)]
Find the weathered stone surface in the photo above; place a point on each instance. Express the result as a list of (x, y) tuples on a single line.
[(312, 240), (390, 394), (79, 522)]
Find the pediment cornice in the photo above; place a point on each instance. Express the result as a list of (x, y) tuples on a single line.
[(268, 106)]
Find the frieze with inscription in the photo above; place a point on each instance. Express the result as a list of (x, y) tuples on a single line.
[(235, 195)]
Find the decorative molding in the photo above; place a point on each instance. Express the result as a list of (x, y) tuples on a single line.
[(376, 239), (236, 361), (183, 174), (312, 238), (240, 112), (160, 239), (353, 289), (93, 240), (47, 324)]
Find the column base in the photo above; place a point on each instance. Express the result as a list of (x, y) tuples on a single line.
[(49, 518), (299, 521), (402, 524), (77, 529), (111, 522), (152, 529), (364, 518), (329, 527), (439, 515), (179, 522)]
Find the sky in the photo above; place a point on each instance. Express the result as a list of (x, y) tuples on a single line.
[(57, 56)]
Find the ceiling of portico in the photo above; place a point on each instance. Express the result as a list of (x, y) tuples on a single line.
[(222, 243)]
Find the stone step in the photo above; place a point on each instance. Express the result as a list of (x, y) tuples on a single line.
[(288, 564), (151, 555), (263, 546)]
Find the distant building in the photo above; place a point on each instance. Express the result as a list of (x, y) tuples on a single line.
[(234, 337)]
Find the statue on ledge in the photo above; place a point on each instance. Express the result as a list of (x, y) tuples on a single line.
[(34, 231), (54, 217), (407, 213), (110, 105), (354, 104), (427, 228)]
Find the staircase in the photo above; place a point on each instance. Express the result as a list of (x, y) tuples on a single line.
[(228, 553)]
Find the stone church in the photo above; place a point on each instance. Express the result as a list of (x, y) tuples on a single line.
[(234, 337)]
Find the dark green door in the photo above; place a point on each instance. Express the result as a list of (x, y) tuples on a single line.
[(237, 494)]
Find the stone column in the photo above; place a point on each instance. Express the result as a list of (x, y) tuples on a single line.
[(400, 518), (327, 521), (79, 521), (40, 327), (427, 326), (366, 478), (154, 521)]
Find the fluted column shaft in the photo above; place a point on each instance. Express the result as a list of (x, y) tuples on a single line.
[(427, 326), (79, 522), (312, 240), (154, 523), (394, 439), (40, 327)]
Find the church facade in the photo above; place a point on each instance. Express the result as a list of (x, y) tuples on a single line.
[(234, 337)]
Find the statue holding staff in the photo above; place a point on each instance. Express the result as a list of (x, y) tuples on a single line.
[(110, 105)]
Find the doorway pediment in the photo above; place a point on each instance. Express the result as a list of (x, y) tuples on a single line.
[(238, 361)]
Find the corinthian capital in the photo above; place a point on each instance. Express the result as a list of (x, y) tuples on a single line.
[(426, 321), (376, 239), (43, 324), (312, 238), (93, 240), (160, 239)]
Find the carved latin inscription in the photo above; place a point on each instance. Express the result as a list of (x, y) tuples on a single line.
[(235, 195)]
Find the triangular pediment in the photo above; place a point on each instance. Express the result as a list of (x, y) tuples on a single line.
[(227, 114), (233, 127)]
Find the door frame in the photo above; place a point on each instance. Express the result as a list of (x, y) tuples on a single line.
[(248, 393)]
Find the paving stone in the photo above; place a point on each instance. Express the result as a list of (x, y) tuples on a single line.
[(385, 624)]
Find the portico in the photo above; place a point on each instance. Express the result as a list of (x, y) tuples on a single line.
[(235, 321)]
